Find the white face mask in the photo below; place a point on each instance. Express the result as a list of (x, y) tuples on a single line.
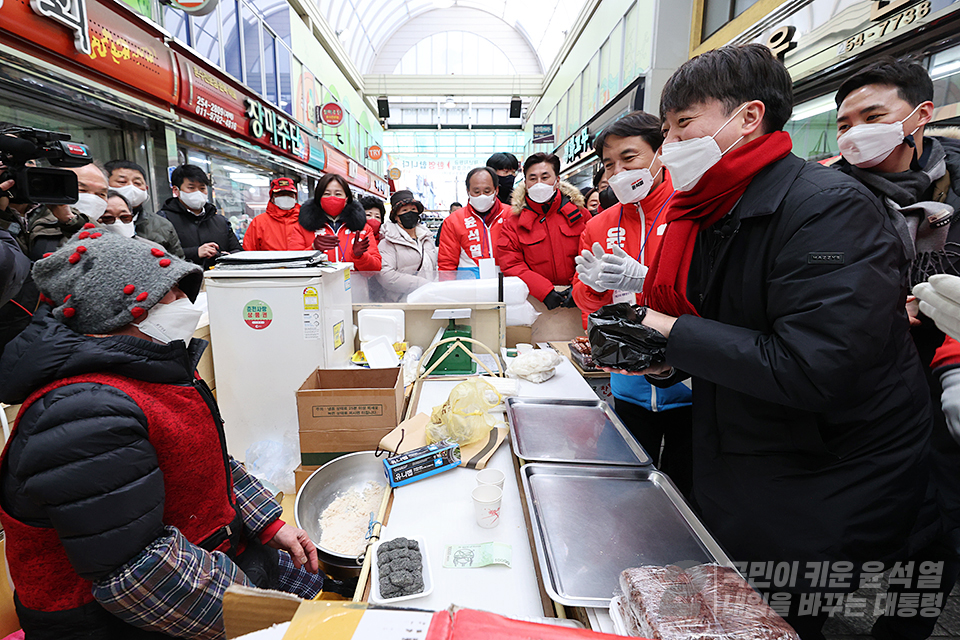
[(134, 195), (867, 145), (688, 160), (90, 205), (632, 185), (174, 321), (541, 192), (482, 204), (193, 200), (285, 202), (125, 229)]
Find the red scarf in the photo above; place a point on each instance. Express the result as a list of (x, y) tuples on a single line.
[(689, 212)]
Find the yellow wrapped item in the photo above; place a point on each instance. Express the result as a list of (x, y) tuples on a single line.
[(464, 418)]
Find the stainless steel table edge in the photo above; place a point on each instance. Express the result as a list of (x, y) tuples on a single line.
[(643, 458), (704, 536)]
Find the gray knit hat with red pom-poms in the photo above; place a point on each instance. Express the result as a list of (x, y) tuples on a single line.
[(98, 282)]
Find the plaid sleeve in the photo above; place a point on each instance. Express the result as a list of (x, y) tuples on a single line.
[(172, 587), (258, 508)]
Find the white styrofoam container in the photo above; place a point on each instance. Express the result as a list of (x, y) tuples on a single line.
[(381, 322), (375, 596)]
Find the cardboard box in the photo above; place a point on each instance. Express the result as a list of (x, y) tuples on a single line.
[(303, 472), (347, 410)]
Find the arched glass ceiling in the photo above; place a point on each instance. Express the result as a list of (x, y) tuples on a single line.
[(364, 26), (454, 52)]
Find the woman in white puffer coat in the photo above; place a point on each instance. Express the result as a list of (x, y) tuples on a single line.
[(407, 249)]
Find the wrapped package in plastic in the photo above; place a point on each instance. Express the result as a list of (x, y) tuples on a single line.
[(620, 340), (465, 417), (704, 602), (537, 366)]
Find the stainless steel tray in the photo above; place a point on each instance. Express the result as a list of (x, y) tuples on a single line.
[(590, 523), (575, 431)]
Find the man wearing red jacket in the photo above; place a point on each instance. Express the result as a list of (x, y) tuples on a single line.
[(277, 228), (471, 233), (540, 240)]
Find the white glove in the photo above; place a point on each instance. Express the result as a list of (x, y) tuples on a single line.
[(940, 301), (950, 401), (620, 272), (588, 267)]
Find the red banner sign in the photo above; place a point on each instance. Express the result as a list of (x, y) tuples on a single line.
[(331, 114)]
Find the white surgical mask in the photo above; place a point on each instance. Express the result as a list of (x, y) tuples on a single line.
[(125, 229), (285, 202), (193, 200), (541, 192), (867, 145), (483, 203), (688, 160), (633, 185), (91, 205), (174, 321), (134, 194)]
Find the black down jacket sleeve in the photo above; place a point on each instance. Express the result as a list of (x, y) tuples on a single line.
[(80, 462)]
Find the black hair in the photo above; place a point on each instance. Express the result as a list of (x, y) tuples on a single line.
[(188, 172), (638, 124), (490, 170), (327, 179), (733, 75), (113, 165), (587, 193), (113, 193), (598, 176), (910, 78), (503, 161), (372, 202), (537, 158)]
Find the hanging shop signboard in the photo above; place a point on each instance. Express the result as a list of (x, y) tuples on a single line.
[(330, 114), (394, 173), (374, 152), (96, 35), (543, 134), (195, 7)]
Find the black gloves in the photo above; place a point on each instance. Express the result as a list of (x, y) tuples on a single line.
[(563, 298)]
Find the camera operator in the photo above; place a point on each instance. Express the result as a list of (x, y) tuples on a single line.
[(50, 226), (14, 264), (19, 297)]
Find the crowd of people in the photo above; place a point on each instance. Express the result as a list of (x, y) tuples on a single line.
[(808, 407)]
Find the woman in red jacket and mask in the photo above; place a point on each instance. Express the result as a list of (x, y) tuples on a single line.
[(334, 222)]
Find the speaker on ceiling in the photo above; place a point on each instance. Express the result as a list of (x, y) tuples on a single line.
[(515, 105), (383, 107)]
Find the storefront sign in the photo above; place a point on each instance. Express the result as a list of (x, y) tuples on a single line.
[(331, 114), (576, 146), (195, 7), (394, 173), (378, 186), (108, 39), (374, 152), (781, 41), (279, 130), (353, 169), (543, 134), (897, 22)]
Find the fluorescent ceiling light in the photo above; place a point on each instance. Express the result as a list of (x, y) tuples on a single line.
[(814, 107)]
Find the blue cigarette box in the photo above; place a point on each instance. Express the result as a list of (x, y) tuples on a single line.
[(421, 463)]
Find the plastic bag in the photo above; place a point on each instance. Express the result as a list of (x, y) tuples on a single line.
[(521, 315), (273, 462), (464, 418), (538, 365), (618, 339)]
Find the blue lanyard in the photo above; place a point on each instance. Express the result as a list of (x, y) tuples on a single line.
[(653, 225)]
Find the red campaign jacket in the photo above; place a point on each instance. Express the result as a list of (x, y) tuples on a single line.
[(274, 230), (465, 237), (369, 260), (198, 488), (603, 228), (539, 248), (947, 355)]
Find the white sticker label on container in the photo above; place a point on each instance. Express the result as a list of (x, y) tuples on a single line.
[(311, 325), (346, 279), (338, 337), (311, 299)]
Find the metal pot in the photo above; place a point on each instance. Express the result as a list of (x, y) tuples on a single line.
[(351, 471)]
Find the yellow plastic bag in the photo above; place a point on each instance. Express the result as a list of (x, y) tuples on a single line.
[(464, 417)]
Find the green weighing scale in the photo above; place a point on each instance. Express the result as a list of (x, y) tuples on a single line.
[(453, 357)]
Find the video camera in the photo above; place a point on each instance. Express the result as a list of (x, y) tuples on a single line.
[(19, 145)]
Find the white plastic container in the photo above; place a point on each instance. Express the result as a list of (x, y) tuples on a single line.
[(375, 596), (381, 322)]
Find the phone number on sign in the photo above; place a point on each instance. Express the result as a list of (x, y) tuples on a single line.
[(888, 26)]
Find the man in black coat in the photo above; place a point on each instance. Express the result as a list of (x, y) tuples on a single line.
[(810, 410), (203, 233), (883, 110)]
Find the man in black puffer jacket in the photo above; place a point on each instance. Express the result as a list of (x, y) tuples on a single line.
[(204, 234), (124, 516)]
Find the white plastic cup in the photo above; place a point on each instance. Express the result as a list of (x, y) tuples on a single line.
[(486, 503), (524, 347), (490, 476)]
